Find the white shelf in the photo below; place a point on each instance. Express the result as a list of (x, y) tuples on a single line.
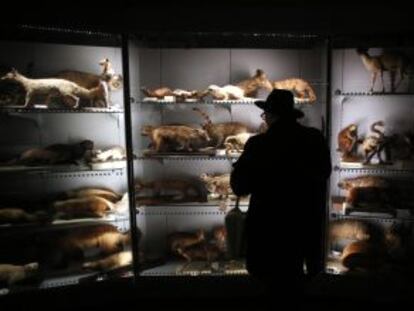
[(44, 109)]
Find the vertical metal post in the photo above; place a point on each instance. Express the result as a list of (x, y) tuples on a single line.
[(130, 156), (328, 133)]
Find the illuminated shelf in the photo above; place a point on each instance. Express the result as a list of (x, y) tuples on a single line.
[(59, 110), (197, 268), (358, 167), (224, 103), (181, 156), (374, 94), (62, 170), (61, 223), (185, 209)]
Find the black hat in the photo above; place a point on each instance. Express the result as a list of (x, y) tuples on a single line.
[(280, 103)]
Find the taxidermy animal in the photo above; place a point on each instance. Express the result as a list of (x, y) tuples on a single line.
[(114, 261), (179, 94), (53, 154), (392, 62), (182, 188), (218, 132), (347, 141), (202, 251), (217, 185), (176, 138), (89, 206), (105, 239), (11, 274), (220, 237), (17, 216), (240, 90), (349, 229), (105, 193), (356, 186), (300, 88), (116, 153), (159, 93), (90, 80), (374, 144), (364, 255), (235, 143), (179, 241), (69, 92)]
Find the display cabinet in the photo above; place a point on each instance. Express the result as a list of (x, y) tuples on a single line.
[(192, 110), (371, 197), (64, 207)]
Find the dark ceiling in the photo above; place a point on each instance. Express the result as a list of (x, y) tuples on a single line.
[(350, 17)]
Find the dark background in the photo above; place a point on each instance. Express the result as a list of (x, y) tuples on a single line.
[(345, 17)]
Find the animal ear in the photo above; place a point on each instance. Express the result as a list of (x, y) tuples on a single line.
[(260, 73)]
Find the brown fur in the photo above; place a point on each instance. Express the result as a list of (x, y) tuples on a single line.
[(159, 93), (392, 62), (302, 90), (349, 229), (235, 143), (169, 138), (252, 85), (110, 262), (90, 206), (218, 132), (347, 141), (105, 193), (359, 184), (220, 237), (363, 255), (11, 274), (218, 185), (15, 216), (53, 154), (374, 144), (61, 248), (179, 241), (90, 80), (185, 189), (202, 251)]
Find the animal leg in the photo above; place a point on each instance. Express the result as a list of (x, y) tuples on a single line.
[(373, 79), (27, 103), (382, 81), (392, 78)]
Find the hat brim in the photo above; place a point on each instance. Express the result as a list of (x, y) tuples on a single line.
[(295, 113)]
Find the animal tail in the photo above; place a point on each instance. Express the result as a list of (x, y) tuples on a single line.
[(146, 92), (122, 206), (311, 93), (204, 115)]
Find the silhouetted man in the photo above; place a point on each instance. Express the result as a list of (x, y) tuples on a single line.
[(285, 170)]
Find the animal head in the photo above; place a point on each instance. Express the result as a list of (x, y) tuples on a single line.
[(213, 88), (203, 134), (115, 82), (13, 74), (345, 184), (146, 130), (87, 145), (261, 81)]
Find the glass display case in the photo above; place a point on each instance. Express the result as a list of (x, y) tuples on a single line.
[(64, 207), (371, 199), (192, 110)]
